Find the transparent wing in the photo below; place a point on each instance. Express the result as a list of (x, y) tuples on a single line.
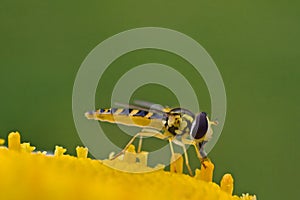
[(182, 111), (155, 110), (149, 105)]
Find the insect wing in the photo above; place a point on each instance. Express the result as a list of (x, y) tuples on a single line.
[(182, 111), (150, 105), (144, 117)]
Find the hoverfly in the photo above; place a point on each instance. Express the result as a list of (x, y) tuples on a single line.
[(177, 125)]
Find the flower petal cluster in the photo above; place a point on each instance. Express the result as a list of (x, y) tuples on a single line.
[(26, 174)]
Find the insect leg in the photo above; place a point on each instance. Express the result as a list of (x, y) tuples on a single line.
[(150, 134), (187, 160), (153, 134), (171, 147), (185, 155), (140, 144), (141, 134), (126, 147), (201, 154)]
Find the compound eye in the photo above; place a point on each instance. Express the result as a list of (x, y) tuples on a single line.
[(199, 126)]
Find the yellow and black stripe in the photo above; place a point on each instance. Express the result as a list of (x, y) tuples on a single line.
[(129, 117)]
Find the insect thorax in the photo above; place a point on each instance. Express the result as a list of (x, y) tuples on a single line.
[(178, 124)]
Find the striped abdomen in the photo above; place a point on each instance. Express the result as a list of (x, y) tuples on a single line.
[(129, 117)]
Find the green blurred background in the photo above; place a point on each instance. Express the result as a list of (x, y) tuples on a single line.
[(255, 44)]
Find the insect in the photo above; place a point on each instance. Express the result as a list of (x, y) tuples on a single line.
[(177, 125)]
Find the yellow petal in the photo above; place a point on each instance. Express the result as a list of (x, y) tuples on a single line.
[(142, 158), (130, 155), (227, 184), (59, 151), (2, 141), (176, 165), (14, 141), (206, 172), (82, 152), (25, 147)]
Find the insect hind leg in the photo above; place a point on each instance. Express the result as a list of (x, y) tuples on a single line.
[(141, 134), (140, 144)]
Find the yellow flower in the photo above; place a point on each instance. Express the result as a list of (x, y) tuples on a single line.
[(227, 184), (248, 197), (25, 147), (177, 163), (206, 173), (26, 175), (59, 151), (82, 152), (14, 140), (2, 141)]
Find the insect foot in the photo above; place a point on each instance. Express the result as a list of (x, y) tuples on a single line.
[(205, 173)]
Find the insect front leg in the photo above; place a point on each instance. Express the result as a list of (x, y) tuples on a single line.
[(199, 148)]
